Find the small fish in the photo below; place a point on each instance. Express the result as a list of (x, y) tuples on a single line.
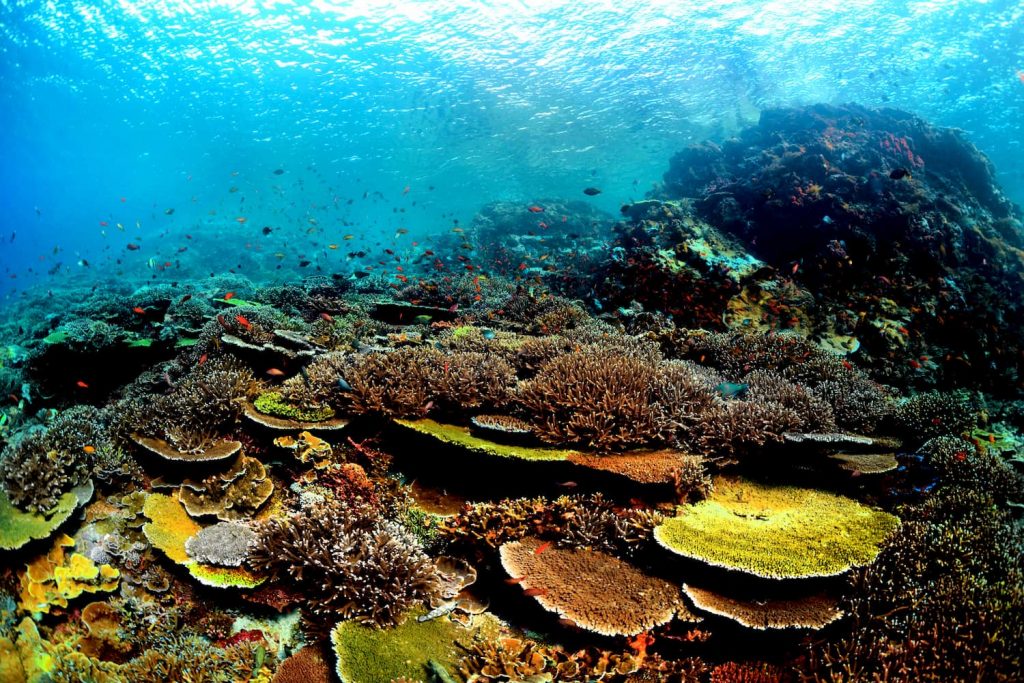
[(534, 592), (303, 263), (275, 372), (515, 580), (267, 230), (899, 173), (440, 611), (542, 547), (132, 247), (89, 449), (140, 310), (796, 267), (243, 321), (348, 238), (202, 359), (326, 316), (591, 191), (81, 385), (536, 209), (241, 219), (168, 212), (732, 389), (343, 385), (278, 171), (184, 299), (229, 296), (568, 484), (422, 319), (487, 333)]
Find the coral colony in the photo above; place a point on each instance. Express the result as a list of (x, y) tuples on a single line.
[(762, 427)]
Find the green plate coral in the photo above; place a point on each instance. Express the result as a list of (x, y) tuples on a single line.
[(777, 532), (272, 403), (411, 651), (461, 436), (18, 527)]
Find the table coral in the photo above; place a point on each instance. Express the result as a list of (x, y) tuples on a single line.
[(777, 532), (596, 591)]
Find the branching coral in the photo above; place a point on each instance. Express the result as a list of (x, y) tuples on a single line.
[(395, 384), (937, 413), (959, 463), (36, 470), (597, 398), (944, 601), (207, 402), (352, 566)]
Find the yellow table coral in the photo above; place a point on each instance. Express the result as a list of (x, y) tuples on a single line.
[(777, 532)]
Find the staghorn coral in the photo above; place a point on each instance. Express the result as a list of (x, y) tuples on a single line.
[(493, 524), (37, 467), (814, 413), (959, 463), (596, 397), (394, 384), (204, 404), (777, 532), (472, 381), (748, 672), (937, 413), (944, 600), (353, 566), (736, 426)]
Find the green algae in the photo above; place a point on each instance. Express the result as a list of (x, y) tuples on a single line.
[(413, 650), (18, 527), (139, 343), (461, 436), (57, 337), (777, 532), (272, 403), (185, 341)]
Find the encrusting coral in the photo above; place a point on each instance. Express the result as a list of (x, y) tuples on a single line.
[(52, 580)]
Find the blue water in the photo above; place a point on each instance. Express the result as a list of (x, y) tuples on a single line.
[(117, 112)]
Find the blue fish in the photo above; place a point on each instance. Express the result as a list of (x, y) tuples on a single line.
[(488, 334), (343, 385), (732, 390)]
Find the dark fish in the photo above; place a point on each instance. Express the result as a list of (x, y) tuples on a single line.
[(899, 173), (591, 191), (131, 246), (361, 274), (732, 390), (278, 171), (303, 264), (168, 212), (267, 230), (343, 385)]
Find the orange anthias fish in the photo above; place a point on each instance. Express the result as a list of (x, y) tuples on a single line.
[(542, 547), (81, 385), (243, 321), (1020, 76), (534, 592), (89, 449), (202, 359), (536, 209), (327, 316), (229, 296), (274, 372), (140, 310)]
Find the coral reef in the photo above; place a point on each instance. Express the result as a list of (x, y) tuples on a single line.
[(810, 612)]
